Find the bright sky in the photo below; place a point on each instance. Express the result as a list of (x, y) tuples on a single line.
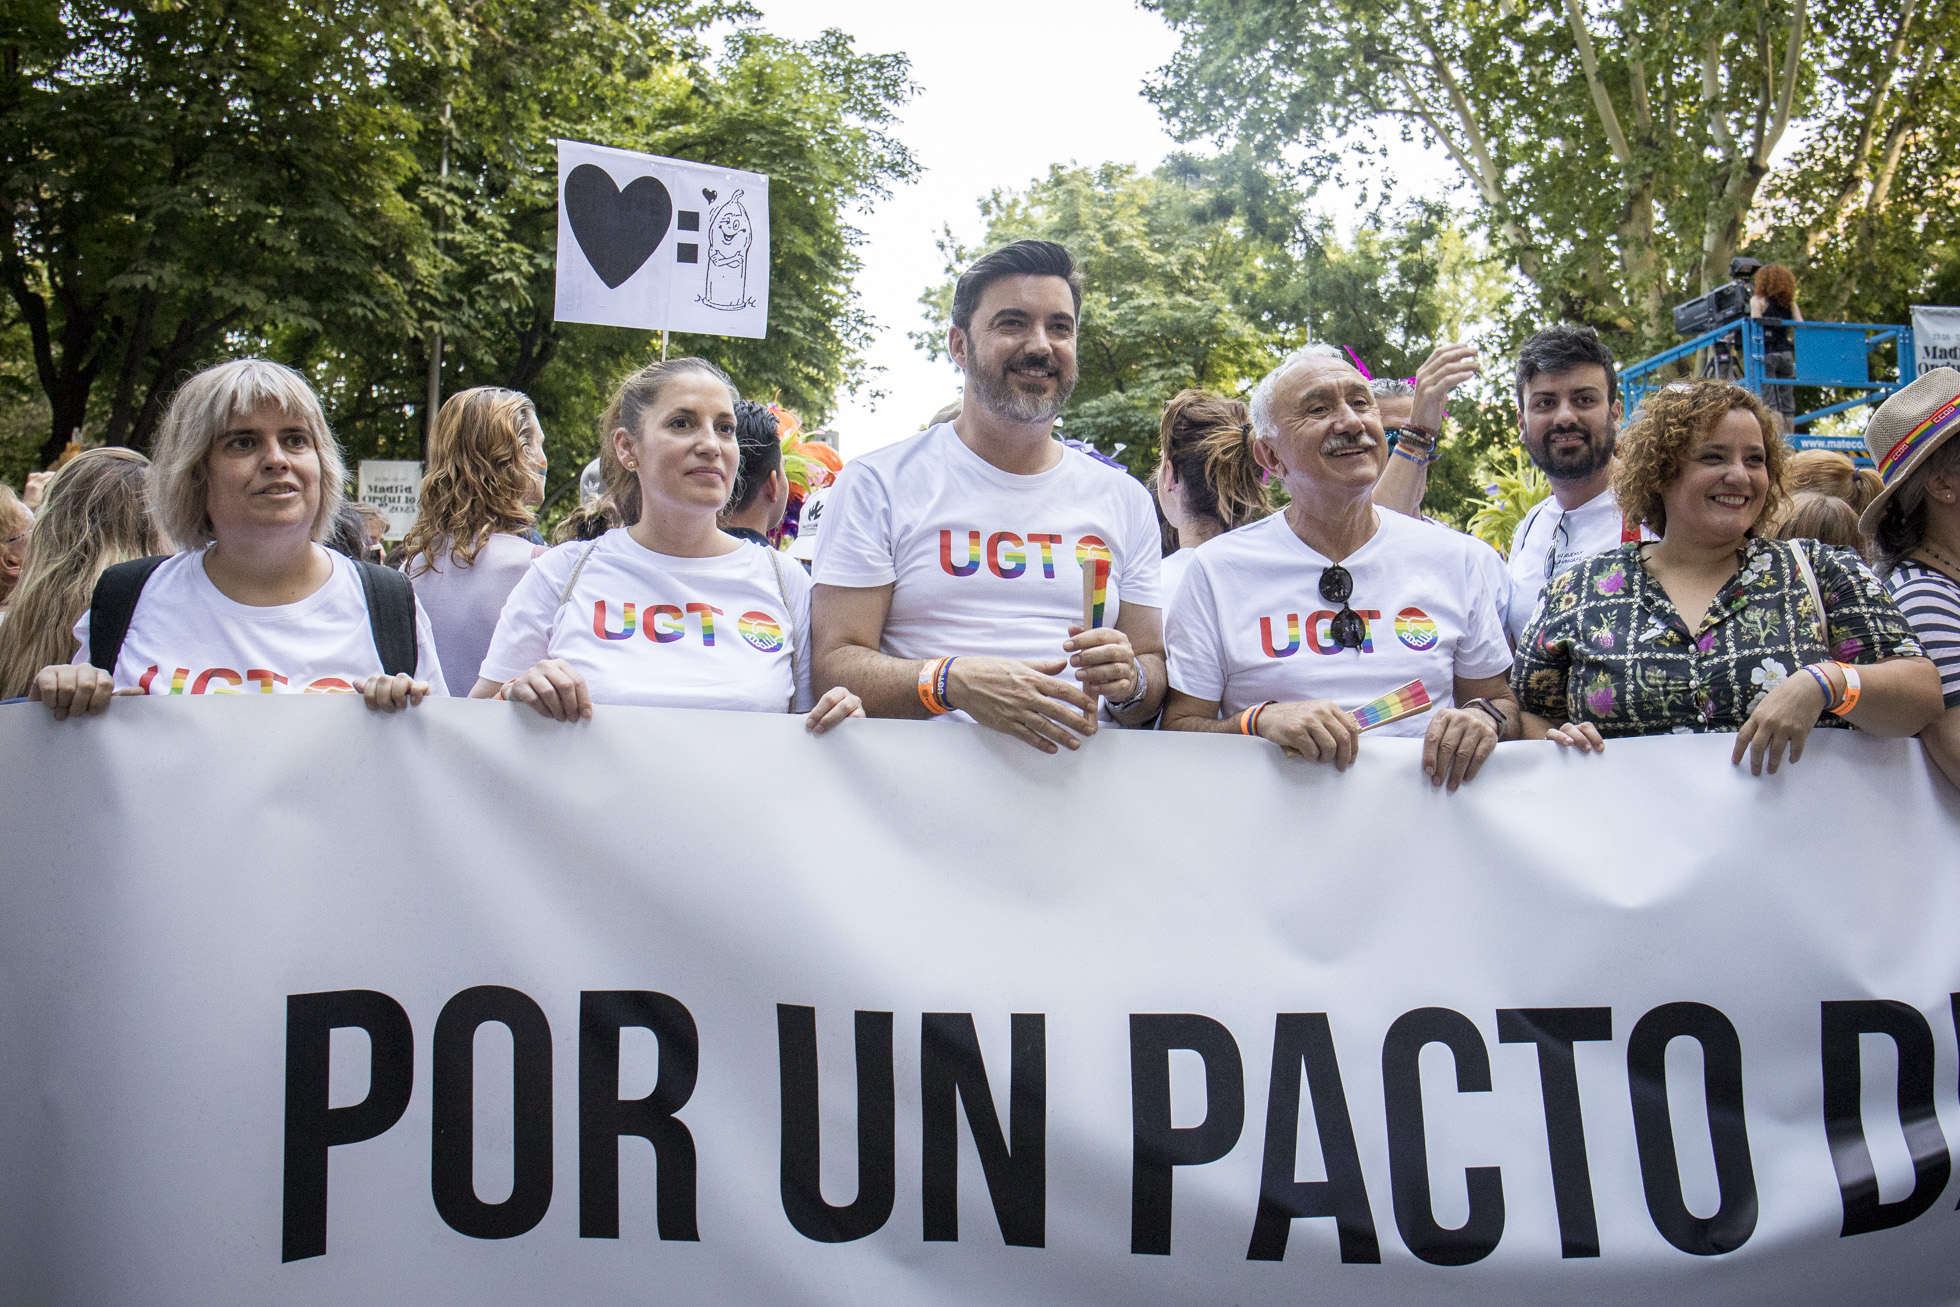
[(1006, 90)]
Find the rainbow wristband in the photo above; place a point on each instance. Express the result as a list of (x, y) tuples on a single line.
[(1830, 691), (940, 682)]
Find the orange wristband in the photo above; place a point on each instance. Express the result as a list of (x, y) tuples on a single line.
[(1853, 688), (928, 682)]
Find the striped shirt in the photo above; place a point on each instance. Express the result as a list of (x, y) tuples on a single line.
[(1931, 602)]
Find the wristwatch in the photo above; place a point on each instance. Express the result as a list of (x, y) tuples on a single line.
[(1496, 714), (1136, 696)]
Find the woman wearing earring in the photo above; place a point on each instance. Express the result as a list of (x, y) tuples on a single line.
[(1915, 522), (666, 610)]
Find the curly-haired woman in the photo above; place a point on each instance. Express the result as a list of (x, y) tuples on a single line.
[(1712, 628), (474, 534)]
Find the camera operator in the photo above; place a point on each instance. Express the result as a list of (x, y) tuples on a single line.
[(1774, 303)]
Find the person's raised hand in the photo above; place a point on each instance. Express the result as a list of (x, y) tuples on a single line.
[(1782, 719), (1104, 663), (1583, 736), (554, 688), (1316, 729), (1446, 368), (1027, 700), (1456, 745), (35, 490), (72, 691), (836, 704), (385, 693)]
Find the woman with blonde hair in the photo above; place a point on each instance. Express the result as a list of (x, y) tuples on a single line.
[(475, 534), (667, 609), (1712, 628), (246, 480), (95, 515), (1207, 481), (1829, 472)]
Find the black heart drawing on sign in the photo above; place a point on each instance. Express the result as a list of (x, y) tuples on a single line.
[(709, 195), (618, 230)]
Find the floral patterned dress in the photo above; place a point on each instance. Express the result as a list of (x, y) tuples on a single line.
[(1607, 645)]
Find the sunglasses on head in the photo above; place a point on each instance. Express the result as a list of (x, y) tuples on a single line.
[(1347, 630)]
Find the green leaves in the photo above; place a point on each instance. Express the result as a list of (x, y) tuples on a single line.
[(330, 183)]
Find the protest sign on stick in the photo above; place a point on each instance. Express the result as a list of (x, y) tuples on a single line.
[(393, 485), (664, 244)]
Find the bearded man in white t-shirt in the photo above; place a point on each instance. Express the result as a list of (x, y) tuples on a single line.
[(1568, 416), (969, 541), (1282, 628)]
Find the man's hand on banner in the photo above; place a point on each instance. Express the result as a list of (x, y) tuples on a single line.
[(1317, 729), (1456, 745), (836, 704), (1027, 700)]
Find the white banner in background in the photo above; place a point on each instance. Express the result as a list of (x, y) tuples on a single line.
[(393, 485), (302, 1004), (1936, 337)]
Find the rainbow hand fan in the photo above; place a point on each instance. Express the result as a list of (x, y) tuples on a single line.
[(1403, 701)]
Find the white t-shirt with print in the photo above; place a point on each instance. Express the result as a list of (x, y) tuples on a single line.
[(983, 561), (1249, 625), (186, 637), (657, 631), (1592, 528)]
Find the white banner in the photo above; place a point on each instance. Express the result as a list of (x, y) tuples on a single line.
[(661, 243), (1936, 337), (393, 485), (302, 1004)]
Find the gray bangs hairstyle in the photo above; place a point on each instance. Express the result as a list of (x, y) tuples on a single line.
[(1261, 403), (199, 413), (630, 403)]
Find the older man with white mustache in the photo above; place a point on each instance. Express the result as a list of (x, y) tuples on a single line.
[(1285, 627)]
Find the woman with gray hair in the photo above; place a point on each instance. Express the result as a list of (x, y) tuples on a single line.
[(246, 480)]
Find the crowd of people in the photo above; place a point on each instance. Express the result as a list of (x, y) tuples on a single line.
[(1685, 574)]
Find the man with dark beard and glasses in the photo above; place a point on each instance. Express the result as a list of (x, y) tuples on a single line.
[(950, 571), (1568, 416), (1337, 616)]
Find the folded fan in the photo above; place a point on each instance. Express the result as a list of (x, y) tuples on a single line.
[(1402, 701)]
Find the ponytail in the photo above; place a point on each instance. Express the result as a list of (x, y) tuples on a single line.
[(1206, 439)]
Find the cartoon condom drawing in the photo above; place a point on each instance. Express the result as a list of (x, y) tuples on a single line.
[(729, 236)]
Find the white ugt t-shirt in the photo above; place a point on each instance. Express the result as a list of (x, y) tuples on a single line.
[(1249, 625), (1592, 528), (186, 637), (658, 631), (983, 561)]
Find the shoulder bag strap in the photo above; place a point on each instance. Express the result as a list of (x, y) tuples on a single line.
[(391, 616), (565, 595), (1809, 576), (113, 604), (789, 625)]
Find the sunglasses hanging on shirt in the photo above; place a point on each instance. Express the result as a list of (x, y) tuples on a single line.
[(1347, 630)]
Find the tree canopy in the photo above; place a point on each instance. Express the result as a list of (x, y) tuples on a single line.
[(1618, 155), (330, 184)]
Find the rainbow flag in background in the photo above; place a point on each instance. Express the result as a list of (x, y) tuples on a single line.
[(1403, 701)]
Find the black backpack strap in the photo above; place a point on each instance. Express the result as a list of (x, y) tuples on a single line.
[(391, 615), (113, 604)]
